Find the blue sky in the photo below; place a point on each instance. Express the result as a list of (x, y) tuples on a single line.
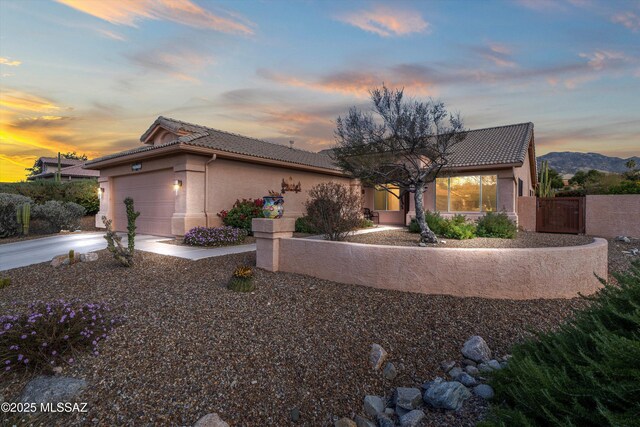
[(90, 76)]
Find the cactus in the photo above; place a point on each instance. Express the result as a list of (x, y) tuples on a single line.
[(72, 256), (58, 177), (544, 183), (23, 217)]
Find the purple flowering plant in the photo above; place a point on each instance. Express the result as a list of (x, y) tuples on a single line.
[(215, 236), (51, 333)]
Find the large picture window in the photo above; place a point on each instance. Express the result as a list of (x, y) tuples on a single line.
[(384, 200), (467, 194)]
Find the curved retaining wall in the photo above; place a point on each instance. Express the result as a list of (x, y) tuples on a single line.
[(521, 273)]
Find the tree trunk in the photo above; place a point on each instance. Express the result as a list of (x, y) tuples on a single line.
[(426, 235)]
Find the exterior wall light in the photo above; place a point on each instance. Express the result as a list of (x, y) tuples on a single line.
[(176, 185), (100, 193)]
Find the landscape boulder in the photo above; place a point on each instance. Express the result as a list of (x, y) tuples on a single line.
[(412, 418), (407, 398), (59, 260), (373, 405), (363, 422), (89, 257), (485, 391), (476, 349), (446, 394), (211, 420), (46, 389), (345, 422)]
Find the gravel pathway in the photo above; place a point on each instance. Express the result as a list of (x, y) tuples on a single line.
[(523, 240), (190, 346)]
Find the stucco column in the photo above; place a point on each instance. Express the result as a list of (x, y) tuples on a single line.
[(105, 201), (268, 233), (189, 202)]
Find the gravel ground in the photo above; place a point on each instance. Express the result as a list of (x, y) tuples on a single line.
[(189, 346), (619, 261), (523, 240)]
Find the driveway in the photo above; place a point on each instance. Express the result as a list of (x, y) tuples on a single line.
[(20, 254)]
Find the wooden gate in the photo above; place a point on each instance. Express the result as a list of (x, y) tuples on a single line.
[(560, 215)]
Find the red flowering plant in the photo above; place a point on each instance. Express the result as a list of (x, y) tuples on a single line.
[(242, 212)]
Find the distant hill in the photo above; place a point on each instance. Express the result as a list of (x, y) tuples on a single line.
[(569, 163)]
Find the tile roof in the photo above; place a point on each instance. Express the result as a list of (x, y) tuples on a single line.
[(203, 136), (72, 171), (63, 160)]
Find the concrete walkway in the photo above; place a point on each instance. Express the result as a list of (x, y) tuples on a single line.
[(20, 254), (375, 229)]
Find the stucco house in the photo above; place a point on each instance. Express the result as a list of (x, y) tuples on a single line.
[(183, 174), (70, 169)]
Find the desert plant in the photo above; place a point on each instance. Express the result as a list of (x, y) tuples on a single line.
[(334, 209), (23, 217), (366, 223), (544, 181), (9, 204), (4, 282), (456, 227), (72, 256), (582, 374), (51, 333), (242, 279), (215, 236), (242, 212), (496, 225), (132, 216), (59, 215), (83, 192), (114, 244), (303, 225)]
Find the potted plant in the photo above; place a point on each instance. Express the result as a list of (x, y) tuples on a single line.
[(273, 206)]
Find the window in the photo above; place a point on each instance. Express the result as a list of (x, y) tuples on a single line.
[(467, 194), (520, 186), (384, 200)]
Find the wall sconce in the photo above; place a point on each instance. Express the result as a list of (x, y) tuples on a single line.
[(100, 193), (176, 185)]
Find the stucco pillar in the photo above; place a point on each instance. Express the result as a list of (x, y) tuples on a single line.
[(105, 201), (189, 202), (268, 233)]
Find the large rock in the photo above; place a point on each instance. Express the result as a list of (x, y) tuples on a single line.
[(44, 389), (373, 405), (476, 349), (484, 391), (466, 380), (211, 420), (59, 260), (446, 395), (412, 419), (453, 373), (377, 356), (407, 398), (345, 422), (89, 257), (363, 422)]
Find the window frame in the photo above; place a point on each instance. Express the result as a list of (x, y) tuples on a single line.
[(481, 211), (386, 200)]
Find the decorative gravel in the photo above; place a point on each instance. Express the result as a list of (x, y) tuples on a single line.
[(619, 261), (189, 346), (523, 240)]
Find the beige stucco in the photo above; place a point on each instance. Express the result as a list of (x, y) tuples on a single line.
[(521, 273), (527, 213), (613, 215)]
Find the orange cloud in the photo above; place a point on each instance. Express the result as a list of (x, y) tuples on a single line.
[(9, 62), (185, 12), (386, 21), (22, 101)]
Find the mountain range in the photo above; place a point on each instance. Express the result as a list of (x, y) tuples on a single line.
[(568, 162)]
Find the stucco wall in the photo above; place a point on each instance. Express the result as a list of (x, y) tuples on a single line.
[(527, 213), (613, 215), (230, 180), (489, 273)]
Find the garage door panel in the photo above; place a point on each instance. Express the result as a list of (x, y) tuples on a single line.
[(153, 197)]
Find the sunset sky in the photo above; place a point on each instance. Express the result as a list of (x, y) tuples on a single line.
[(91, 75)]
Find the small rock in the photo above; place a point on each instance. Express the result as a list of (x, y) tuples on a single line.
[(472, 370), (57, 370), (444, 242), (89, 257), (389, 371), (484, 391), (483, 367), (446, 395), (373, 405), (401, 411), (623, 239), (412, 419), (494, 364), (295, 414), (45, 389), (503, 364), (363, 422), (385, 421), (455, 372), (447, 365), (211, 420), (476, 349), (635, 251), (389, 412), (407, 398), (59, 260), (422, 244), (428, 384), (345, 422), (466, 380), (468, 362), (377, 356)]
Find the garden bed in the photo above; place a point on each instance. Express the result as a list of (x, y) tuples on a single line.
[(523, 240), (189, 346), (180, 242)]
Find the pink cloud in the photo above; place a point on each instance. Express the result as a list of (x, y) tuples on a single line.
[(386, 21), (628, 19), (185, 12)]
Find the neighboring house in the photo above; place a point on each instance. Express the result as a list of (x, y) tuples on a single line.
[(184, 174), (487, 171), (70, 169)]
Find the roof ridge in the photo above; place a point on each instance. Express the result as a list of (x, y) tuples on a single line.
[(501, 126)]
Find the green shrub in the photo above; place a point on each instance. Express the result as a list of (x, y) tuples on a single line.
[(413, 226), (625, 187), (460, 231), (456, 227), (241, 214), (59, 215), (9, 204), (585, 373), (83, 192), (436, 223), (4, 282), (496, 225), (304, 226), (366, 223)]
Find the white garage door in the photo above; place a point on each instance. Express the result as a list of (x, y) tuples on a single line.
[(153, 197)]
